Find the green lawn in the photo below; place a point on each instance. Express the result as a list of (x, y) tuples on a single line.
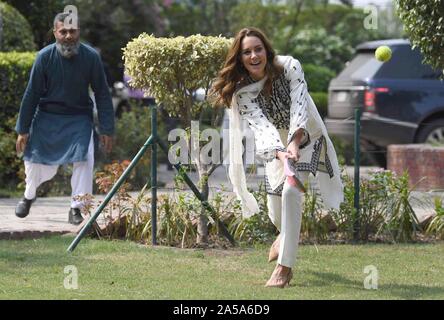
[(34, 269)]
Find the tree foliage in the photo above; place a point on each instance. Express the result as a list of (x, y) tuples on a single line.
[(313, 31), (270, 18), (15, 31), (40, 15), (206, 17), (110, 25), (315, 46), (107, 25), (424, 23)]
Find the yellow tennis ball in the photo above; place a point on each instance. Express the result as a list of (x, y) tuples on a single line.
[(383, 53)]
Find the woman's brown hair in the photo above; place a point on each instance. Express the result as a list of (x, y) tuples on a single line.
[(234, 74)]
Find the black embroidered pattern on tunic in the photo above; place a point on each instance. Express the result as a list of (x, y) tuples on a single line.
[(277, 107), (277, 110), (315, 164), (275, 192)]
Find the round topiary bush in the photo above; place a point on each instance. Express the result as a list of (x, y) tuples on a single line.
[(15, 31)]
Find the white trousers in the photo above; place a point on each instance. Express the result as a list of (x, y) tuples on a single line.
[(81, 179), (286, 214)]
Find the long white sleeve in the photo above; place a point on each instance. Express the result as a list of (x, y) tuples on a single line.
[(266, 136), (299, 97), (236, 170)]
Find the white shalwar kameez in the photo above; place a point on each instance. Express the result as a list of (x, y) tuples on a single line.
[(273, 122), (81, 179)]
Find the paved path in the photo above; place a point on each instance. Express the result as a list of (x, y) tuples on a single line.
[(50, 215), (47, 216)]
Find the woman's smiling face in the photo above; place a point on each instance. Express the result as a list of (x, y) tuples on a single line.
[(254, 56)]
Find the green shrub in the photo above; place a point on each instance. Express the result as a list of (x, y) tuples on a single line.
[(15, 68), (10, 165), (402, 223), (436, 225), (385, 214), (14, 75), (17, 34), (373, 208), (317, 77), (256, 229), (385, 209), (313, 226), (321, 101), (132, 130), (179, 212)]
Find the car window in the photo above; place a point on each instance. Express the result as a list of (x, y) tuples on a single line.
[(406, 64), (362, 66)]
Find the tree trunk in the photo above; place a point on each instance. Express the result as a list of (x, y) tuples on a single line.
[(202, 227), (194, 144)]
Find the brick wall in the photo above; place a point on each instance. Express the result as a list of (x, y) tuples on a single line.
[(421, 161)]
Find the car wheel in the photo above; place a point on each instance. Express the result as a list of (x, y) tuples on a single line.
[(432, 133)]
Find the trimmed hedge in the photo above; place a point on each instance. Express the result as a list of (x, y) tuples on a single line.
[(174, 68), (317, 77), (321, 101), (15, 68), (17, 33)]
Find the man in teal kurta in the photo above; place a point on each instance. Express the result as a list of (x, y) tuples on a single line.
[(55, 122)]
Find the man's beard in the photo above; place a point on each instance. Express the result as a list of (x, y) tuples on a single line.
[(68, 50)]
